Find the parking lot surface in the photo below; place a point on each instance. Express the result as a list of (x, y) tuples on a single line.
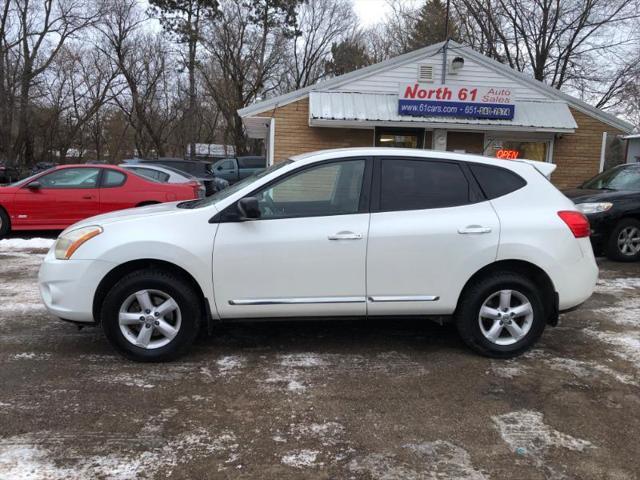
[(339, 399)]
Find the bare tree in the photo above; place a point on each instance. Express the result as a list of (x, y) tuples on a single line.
[(320, 25), (245, 46), (44, 27), (143, 59), (549, 38)]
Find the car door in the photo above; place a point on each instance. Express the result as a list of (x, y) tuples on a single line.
[(431, 229), (306, 254), (62, 197)]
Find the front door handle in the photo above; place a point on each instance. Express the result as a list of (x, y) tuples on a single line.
[(474, 229), (88, 197), (346, 236)]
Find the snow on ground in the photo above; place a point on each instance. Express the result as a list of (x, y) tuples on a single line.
[(11, 244), (526, 433), (428, 460), (617, 286), (300, 458)]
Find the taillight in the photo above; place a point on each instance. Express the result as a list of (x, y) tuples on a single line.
[(577, 223)]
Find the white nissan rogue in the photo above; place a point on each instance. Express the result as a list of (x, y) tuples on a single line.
[(367, 232)]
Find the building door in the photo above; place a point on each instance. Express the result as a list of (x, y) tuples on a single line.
[(400, 137)]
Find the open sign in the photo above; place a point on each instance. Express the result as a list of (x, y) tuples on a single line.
[(507, 154)]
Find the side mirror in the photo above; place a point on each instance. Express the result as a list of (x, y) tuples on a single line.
[(249, 209), (34, 186)]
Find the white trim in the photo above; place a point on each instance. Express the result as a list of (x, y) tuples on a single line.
[(550, 149), (371, 124), (271, 154), (603, 151), (287, 98), (295, 300)]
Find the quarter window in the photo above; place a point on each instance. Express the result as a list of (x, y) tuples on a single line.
[(421, 184), (155, 175), (70, 178), (329, 189), (495, 181)]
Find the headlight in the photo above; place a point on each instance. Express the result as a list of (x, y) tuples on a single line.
[(588, 208), (69, 242)]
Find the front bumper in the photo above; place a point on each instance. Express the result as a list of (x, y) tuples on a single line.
[(67, 287)]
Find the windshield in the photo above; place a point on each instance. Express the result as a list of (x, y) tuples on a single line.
[(625, 177), (227, 192)]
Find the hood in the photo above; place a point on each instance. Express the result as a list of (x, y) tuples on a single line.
[(585, 195), (130, 214)]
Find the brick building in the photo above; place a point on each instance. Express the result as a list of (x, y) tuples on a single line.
[(442, 97)]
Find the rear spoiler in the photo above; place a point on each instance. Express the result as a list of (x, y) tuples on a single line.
[(545, 168)]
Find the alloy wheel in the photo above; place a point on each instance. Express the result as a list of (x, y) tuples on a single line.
[(149, 319), (505, 317), (629, 241)]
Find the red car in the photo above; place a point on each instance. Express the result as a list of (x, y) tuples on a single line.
[(62, 196)]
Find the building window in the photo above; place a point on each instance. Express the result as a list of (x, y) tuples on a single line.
[(400, 137)]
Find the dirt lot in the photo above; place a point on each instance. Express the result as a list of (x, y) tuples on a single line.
[(344, 400)]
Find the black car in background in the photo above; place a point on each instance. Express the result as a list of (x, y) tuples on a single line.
[(611, 201), (202, 171), (8, 174)]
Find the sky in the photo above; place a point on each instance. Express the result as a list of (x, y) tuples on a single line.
[(372, 11)]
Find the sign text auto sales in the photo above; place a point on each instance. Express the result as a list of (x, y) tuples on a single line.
[(428, 100)]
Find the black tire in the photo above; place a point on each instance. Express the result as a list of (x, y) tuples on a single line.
[(5, 223), (467, 317), (613, 249), (188, 301)]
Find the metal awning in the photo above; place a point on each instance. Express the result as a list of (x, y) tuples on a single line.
[(366, 110)]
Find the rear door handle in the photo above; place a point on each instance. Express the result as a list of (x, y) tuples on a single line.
[(88, 197), (474, 229), (346, 236)]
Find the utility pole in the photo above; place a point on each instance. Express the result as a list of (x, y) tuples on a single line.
[(443, 76)]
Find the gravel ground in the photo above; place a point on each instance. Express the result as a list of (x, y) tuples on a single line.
[(344, 400)]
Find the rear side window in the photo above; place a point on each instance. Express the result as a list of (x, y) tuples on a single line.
[(495, 181), (422, 184), (251, 162), (113, 178)]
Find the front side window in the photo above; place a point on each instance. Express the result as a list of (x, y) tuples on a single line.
[(328, 189), (422, 184), (70, 178)]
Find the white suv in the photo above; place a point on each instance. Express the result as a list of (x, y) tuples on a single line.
[(491, 244)]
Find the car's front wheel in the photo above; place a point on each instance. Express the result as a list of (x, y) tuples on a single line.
[(623, 244), (501, 315), (151, 315)]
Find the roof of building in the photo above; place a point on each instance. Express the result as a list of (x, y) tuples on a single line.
[(360, 108), (431, 50)]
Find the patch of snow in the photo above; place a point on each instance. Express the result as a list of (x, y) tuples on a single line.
[(302, 360), (31, 356), (615, 285), (626, 312), (525, 430), (300, 458), (9, 244), (227, 364), (507, 370), (626, 344), (431, 460), (36, 457)]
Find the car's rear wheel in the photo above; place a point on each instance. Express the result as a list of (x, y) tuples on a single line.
[(5, 223), (624, 241), (151, 315), (501, 315)]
